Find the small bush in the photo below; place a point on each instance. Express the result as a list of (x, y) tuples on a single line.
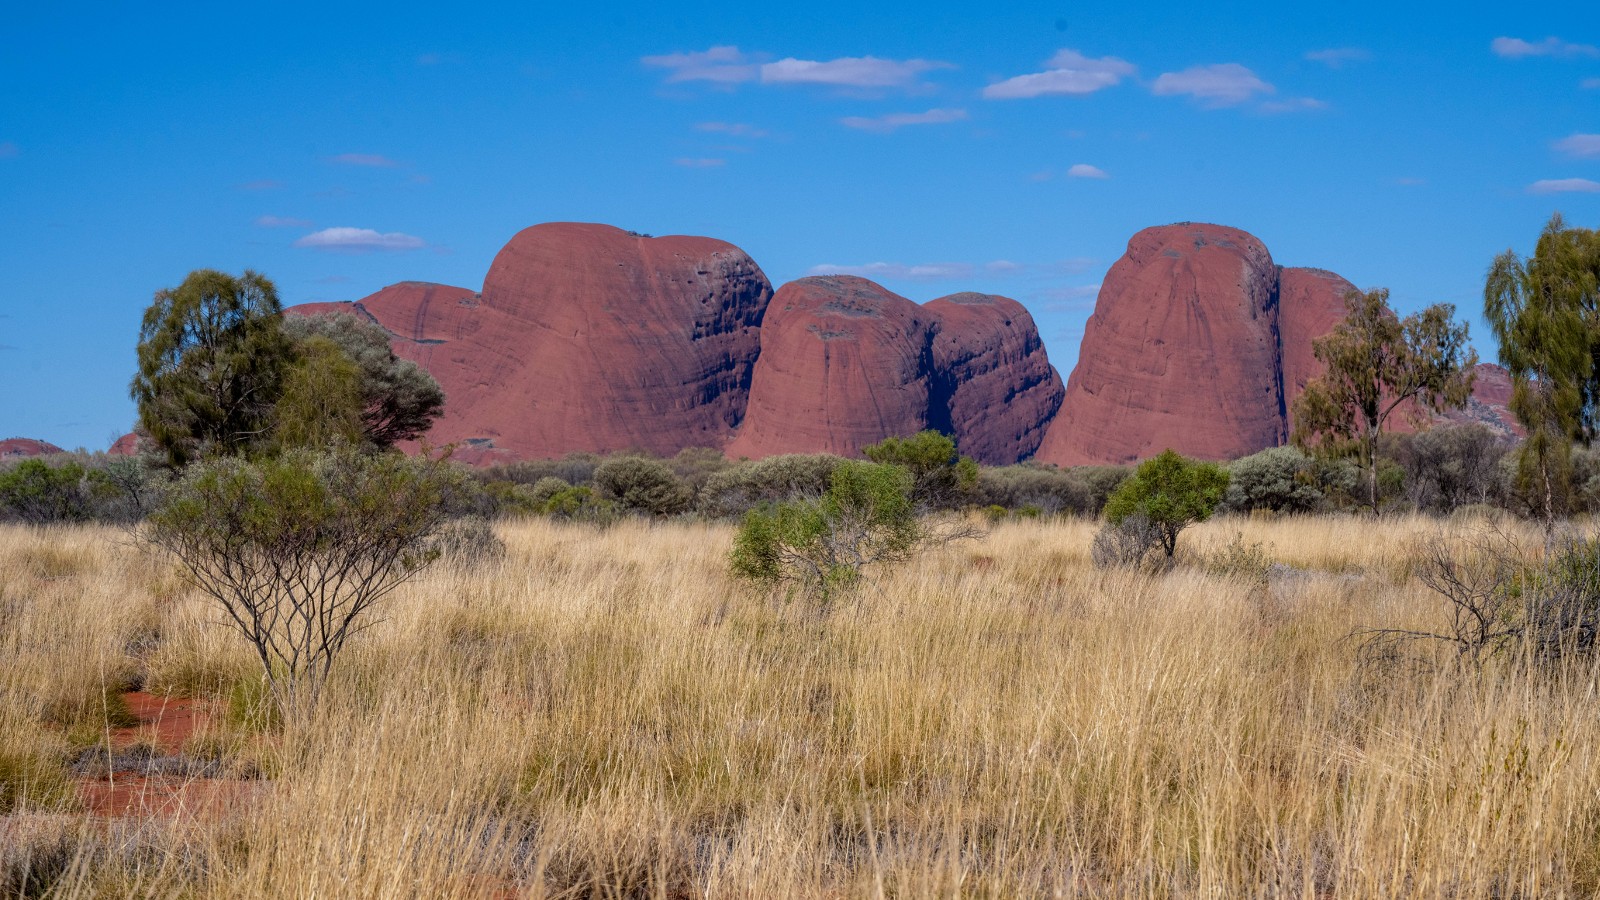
[(38, 493), (1240, 559), (1171, 493), (734, 491), (642, 485), (1130, 543), (1280, 479), (941, 478)]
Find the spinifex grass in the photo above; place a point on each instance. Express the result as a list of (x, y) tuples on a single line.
[(606, 713)]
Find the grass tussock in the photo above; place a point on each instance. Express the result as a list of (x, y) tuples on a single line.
[(606, 714)]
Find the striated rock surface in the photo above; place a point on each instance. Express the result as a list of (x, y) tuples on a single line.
[(22, 448), (844, 363), (585, 337), (1310, 304), (1490, 403), (991, 372), (1182, 351)]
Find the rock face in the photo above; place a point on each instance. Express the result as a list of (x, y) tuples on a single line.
[(127, 445), (998, 388), (845, 363), (1310, 304), (585, 337), (1490, 403), (22, 448), (1183, 351)]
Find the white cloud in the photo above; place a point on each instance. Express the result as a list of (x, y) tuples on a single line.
[(1293, 104), (1222, 84), (1068, 72), (719, 65), (888, 123), (359, 239), (1070, 299), (1580, 145), (1336, 57), (699, 163), (1517, 48), (732, 129), (1003, 267), (1565, 186), (370, 160), (1084, 170), (921, 272), (283, 222), (8, 149), (849, 71)]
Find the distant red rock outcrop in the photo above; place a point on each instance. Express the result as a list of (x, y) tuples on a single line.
[(22, 448), (585, 337), (1490, 404), (127, 445), (846, 363), (1183, 351)]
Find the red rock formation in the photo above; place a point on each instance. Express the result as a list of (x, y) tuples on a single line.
[(22, 448), (844, 363), (127, 445), (586, 337), (1310, 304), (1002, 390), (1182, 351), (1490, 403)]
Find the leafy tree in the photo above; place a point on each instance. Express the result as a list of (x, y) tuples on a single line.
[(321, 402), (1376, 364), (1545, 311), (212, 355), (1170, 493), (297, 548), (941, 478), (394, 399), (866, 518)]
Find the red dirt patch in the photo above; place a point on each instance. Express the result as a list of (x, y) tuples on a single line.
[(165, 724)]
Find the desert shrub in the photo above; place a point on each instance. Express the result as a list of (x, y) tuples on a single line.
[(866, 518), (574, 468), (1049, 490), (581, 504), (508, 498), (1281, 479), (1132, 542), (546, 489), (1449, 466), (466, 544), (748, 484), (40, 493), (941, 478), (297, 549), (694, 466), (1241, 559), (1171, 492), (641, 485), (1502, 599)]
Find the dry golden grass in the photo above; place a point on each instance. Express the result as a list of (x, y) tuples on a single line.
[(607, 714)]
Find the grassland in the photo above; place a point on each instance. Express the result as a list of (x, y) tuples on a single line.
[(606, 714)]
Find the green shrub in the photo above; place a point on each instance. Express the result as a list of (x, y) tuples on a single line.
[(642, 485), (736, 490), (1046, 490), (941, 478), (866, 518), (1241, 559), (1281, 479), (1172, 493), (38, 493)]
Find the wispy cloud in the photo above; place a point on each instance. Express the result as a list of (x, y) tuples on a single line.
[(733, 129), (1222, 84), (850, 71), (700, 163), (1068, 72), (9, 149), (261, 184), (892, 121), (359, 240), (1074, 298), (1410, 182), (1584, 146), (1517, 48), (719, 65), (437, 59), (283, 222), (1590, 84), (1293, 104), (1337, 57), (370, 160), (1565, 186), (1084, 170)]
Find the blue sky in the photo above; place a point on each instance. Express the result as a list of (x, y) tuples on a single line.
[(934, 147)]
